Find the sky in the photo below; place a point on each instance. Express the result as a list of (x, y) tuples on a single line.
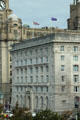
[(41, 11)]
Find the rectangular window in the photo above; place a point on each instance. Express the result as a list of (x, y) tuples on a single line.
[(30, 52), (75, 48), (75, 68), (17, 79), (47, 78), (62, 67), (26, 79), (41, 68), (36, 60), (62, 78), (76, 78), (41, 50), (46, 59), (31, 79), (30, 61), (62, 48), (21, 62), (46, 49), (36, 69), (21, 71), (31, 70), (41, 78), (36, 78), (25, 70), (47, 69), (75, 58), (62, 57), (21, 79), (25, 61), (17, 62), (63, 88), (76, 88), (41, 59), (17, 71)]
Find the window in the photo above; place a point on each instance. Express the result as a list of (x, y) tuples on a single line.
[(36, 60), (15, 31), (36, 51), (62, 57), (17, 89), (26, 79), (41, 59), (41, 78), (47, 69), (76, 78), (76, 88), (63, 88), (75, 58), (62, 48), (75, 48), (36, 78), (36, 99), (10, 73), (46, 102), (21, 62), (46, 59), (31, 79), (62, 78), (41, 102), (36, 69), (21, 71), (62, 67), (46, 49), (21, 79), (17, 62), (41, 50), (30, 61), (18, 71), (31, 70), (30, 52), (25, 70), (25, 61), (17, 79), (41, 68), (75, 68), (47, 78)]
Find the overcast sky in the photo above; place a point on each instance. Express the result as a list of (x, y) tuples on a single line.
[(41, 11)]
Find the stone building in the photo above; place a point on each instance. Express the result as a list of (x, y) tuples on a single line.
[(74, 20), (46, 72), (11, 31)]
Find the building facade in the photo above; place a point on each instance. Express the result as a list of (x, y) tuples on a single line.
[(11, 31), (46, 72), (74, 20)]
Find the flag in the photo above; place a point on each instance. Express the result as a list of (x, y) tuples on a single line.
[(54, 19), (35, 23)]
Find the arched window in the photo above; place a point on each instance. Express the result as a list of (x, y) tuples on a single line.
[(46, 102), (36, 101), (29, 102), (21, 100), (41, 102)]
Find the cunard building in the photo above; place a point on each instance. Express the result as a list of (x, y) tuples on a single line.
[(47, 68)]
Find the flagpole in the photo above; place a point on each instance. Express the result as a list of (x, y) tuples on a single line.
[(52, 19), (33, 32), (51, 27)]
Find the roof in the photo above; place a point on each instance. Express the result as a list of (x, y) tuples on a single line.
[(13, 17)]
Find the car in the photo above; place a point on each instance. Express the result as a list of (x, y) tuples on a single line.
[(9, 113)]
